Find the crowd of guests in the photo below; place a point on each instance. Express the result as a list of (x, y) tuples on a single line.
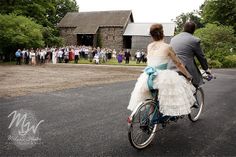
[(75, 53), (31, 56)]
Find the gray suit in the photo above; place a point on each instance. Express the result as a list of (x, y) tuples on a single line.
[(186, 47)]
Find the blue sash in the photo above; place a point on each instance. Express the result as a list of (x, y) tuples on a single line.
[(152, 73)]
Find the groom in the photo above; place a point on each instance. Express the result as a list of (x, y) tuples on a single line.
[(186, 47)]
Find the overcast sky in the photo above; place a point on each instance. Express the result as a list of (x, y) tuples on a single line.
[(144, 10)]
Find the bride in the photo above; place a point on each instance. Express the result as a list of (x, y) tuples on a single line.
[(175, 91)]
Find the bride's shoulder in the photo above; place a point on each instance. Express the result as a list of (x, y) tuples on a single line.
[(158, 46), (165, 45), (150, 45)]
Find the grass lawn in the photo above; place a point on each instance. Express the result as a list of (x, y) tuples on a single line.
[(111, 62), (83, 61), (8, 63)]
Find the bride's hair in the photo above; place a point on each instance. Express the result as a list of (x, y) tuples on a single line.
[(156, 32)]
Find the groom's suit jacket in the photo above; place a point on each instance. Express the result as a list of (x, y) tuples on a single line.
[(186, 47)]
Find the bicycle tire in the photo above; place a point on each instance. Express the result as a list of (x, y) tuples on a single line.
[(198, 106), (149, 131)]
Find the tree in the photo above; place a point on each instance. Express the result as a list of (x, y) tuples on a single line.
[(19, 32), (46, 13), (49, 37), (64, 6), (217, 41), (184, 17), (219, 11)]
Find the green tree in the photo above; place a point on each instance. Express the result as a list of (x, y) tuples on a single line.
[(46, 13), (217, 41), (49, 37), (64, 6), (219, 11), (184, 17), (19, 32)]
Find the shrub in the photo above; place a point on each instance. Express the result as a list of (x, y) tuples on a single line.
[(214, 64), (19, 32), (217, 42), (229, 61)]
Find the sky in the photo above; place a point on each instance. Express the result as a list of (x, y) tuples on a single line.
[(144, 11)]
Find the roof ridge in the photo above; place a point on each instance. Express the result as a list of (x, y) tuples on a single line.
[(105, 11), (79, 12), (152, 22)]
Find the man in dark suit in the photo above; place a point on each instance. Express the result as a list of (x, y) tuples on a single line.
[(186, 47), (127, 56)]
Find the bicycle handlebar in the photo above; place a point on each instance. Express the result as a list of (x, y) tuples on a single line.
[(207, 76)]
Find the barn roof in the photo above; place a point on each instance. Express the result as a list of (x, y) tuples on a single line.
[(142, 29), (89, 22)]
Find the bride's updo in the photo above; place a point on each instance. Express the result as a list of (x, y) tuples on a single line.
[(156, 32)]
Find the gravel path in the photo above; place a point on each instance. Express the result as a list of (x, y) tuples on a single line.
[(26, 79)]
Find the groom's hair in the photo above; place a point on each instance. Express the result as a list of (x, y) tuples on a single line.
[(189, 27)]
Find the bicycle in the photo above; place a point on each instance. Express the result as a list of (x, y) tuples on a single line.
[(144, 120)]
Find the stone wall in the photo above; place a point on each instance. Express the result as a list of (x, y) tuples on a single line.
[(69, 37), (111, 37)]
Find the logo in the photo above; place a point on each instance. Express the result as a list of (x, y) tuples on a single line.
[(24, 129)]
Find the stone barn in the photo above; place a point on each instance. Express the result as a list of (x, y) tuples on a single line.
[(140, 37), (98, 28)]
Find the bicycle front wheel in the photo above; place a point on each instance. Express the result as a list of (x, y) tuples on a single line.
[(196, 109), (142, 130)]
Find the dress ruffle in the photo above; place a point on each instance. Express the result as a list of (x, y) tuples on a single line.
[(175, 93), (140, 92)]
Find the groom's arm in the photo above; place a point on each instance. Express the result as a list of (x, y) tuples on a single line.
[(200, 55), (178, 63)]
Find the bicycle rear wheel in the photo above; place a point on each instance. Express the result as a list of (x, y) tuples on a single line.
[(141, 129), (196, 109)]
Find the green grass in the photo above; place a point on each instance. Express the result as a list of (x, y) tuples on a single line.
[(111, 62), (8, 63), (83, 61)]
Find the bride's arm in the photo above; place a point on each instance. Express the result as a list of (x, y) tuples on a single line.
[(178, 63)]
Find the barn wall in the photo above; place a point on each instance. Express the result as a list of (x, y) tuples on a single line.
[(69, 37), (111, 37)]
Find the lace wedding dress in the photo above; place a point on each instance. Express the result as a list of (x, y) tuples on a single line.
[(175, 93)]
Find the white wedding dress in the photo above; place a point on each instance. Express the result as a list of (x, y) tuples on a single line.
[(175, 93)]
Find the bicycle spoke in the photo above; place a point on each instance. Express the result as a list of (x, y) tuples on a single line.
[(138, 134), (141, 136)]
